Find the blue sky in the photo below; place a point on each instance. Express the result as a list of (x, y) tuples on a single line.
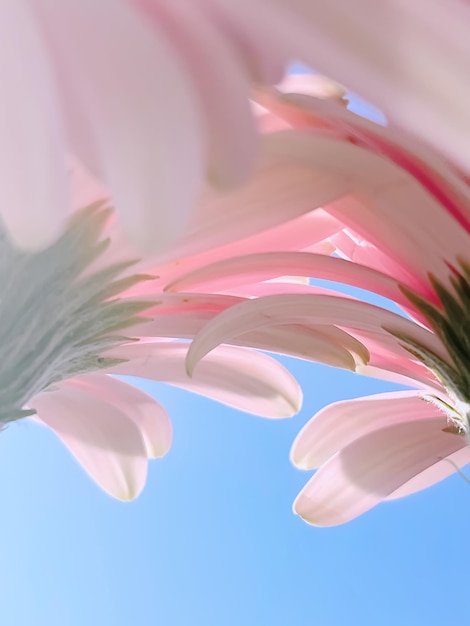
[(213, 540)]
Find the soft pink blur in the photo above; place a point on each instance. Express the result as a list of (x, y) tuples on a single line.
[(152, 96)]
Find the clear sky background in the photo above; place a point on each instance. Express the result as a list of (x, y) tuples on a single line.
[(213, 540)]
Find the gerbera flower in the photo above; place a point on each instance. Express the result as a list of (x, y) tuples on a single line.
[(145, 93), (410, 59), (404, 212), (84, 308)]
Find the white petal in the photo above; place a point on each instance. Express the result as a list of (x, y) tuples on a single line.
[(371, 468), (434, 474), (399, 379), (247, 380), (341, 423), (255, 268), (148, 414), (310, 309), (106, 443), (184, 315)]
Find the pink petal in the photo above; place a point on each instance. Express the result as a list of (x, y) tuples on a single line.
[(271, 288), (379, 187), (387, 353), (301, 232), (357, 249), (323, 344), (103, 439), (399, 379), (184, 316), (230, 273), (148, 414), (281, 189), (297, 110), (247, 380), (371, 468), (341, 423), (144, 140), (221, 83), (350, 246), (85, 189), (428, 167), (434, 474), (257, 46), (328, 345), (33, 192), (310, 309), (314, 85), (386, 52)]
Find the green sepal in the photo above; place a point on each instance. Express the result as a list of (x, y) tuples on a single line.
[(442, 370), (58, 318)]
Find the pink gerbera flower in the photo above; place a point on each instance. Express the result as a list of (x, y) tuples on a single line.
[(86, 307), (146, 93), (402, 214), (410, 59)]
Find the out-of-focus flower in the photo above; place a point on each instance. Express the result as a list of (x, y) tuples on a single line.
[(152, 96), (404, 216), (410, 59), (84, 308)]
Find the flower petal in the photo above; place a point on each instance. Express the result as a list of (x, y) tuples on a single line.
[(313, 85), (379, 187), (245, 379), (230, 273), (149, 415), (299, 233), (184, 315), (429, 168), (341, 423), (311, 309), (388, 354), (144, 119), (257, 46), (350, 246), (371, 468), (281, 189), (106, 443), (221, 84), (398, 379), (434, 474), (33, 191), (386, 52), (323, 344)]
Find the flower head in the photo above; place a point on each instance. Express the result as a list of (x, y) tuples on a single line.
[(145, 93), (85, 308), (400, 223), (411, 60)]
